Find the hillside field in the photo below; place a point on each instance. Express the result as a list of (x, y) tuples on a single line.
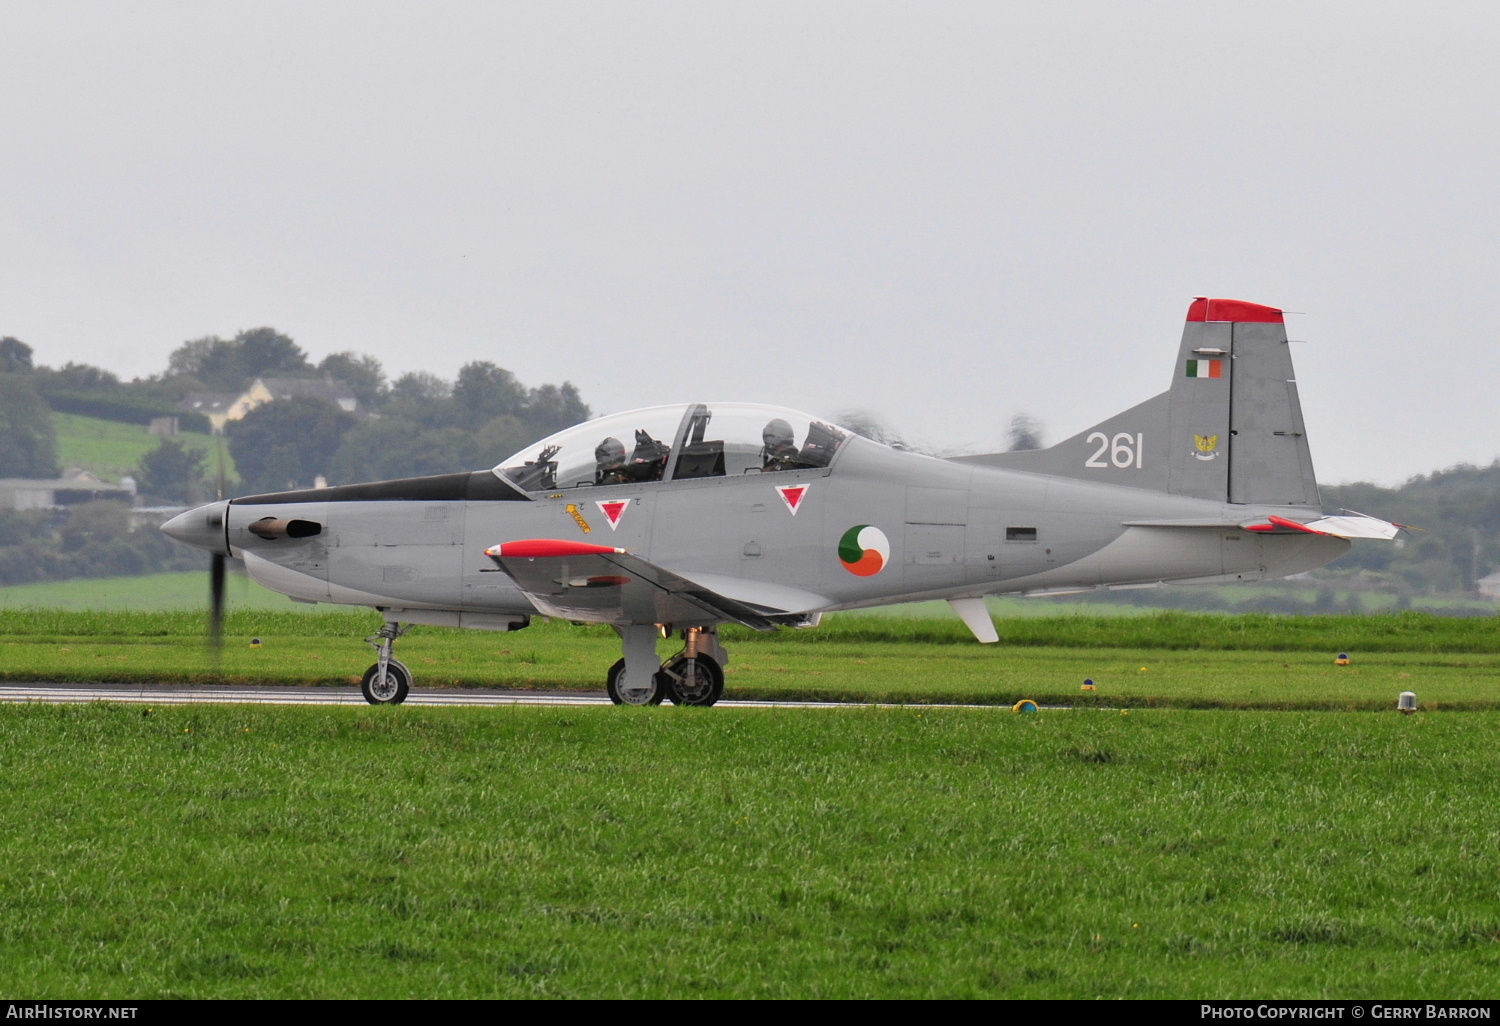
[(111, 449)]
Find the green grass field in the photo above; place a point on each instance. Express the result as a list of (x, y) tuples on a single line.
[(149, 592), (310, 852), (1169, 659), (1200, 845), (111, 449), (190, 591)]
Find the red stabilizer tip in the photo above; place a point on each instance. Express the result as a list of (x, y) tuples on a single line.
[(1205, 309), (1284, 522), (533, 548)]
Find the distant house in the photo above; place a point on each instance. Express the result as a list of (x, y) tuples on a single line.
[(213, 405), (74, 486), (220, 408)]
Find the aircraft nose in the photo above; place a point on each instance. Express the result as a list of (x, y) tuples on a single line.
[(202, 528)]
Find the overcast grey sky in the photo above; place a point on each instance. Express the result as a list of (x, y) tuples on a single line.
[(940, 213)]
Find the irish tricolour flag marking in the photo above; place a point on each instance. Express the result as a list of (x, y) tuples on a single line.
[(613, 510), (1205, 368), (864, 550), (793, 495)]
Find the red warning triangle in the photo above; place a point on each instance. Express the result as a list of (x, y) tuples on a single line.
[(793, 495), (613, 510)]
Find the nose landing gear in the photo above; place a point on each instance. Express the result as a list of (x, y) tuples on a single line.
[(388, 681)]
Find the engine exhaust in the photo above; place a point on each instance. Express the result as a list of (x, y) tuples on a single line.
[(272, 528)]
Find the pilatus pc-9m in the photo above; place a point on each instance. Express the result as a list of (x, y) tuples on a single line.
[(678, 519)]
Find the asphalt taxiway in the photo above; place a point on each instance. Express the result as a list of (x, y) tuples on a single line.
[(166, 694)]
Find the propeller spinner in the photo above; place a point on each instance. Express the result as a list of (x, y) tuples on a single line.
[(203, 528)]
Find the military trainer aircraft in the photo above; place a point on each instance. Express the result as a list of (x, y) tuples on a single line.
[(676, 520)]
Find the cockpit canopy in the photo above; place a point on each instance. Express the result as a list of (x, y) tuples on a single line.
[(691, 440)]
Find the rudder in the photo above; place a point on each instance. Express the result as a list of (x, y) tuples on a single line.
[(1235, 428)]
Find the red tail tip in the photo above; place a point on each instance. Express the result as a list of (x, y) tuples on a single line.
[(1205, 309)]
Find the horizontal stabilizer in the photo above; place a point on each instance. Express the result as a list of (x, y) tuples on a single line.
[(1353, 526)]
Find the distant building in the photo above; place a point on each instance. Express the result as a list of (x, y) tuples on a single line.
[(220, 408), (73, 487), (213, 405)]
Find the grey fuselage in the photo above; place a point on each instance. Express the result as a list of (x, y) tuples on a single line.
[(954, 530)]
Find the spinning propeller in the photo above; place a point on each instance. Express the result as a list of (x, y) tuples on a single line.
[(216, 574), (216, 605)]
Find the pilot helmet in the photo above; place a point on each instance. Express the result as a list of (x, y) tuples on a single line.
[(778, 436), (610, 453)]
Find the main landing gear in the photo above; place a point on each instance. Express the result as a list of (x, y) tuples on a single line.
[(388, 681), (694, 676)]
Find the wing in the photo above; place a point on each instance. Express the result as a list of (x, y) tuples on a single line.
[(598, 584)]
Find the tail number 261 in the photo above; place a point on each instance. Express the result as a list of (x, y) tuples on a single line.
[(1124, 450)]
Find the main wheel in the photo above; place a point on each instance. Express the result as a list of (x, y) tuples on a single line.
[(633, 696), (393, 691), (702, 684)]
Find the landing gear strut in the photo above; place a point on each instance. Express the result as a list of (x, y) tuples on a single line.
[(694, 676), (388, 681)]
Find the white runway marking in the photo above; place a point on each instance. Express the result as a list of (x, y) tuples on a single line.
[(226, 695)]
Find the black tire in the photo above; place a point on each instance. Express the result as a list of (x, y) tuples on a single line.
[(396, 674), (658, 689), (704, 687)]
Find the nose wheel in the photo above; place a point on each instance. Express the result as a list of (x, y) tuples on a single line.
[(388, 681), (390, 689)]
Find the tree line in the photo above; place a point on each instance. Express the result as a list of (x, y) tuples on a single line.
[(415, 425)]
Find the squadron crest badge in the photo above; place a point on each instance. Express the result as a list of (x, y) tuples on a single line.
[(1207, 444)]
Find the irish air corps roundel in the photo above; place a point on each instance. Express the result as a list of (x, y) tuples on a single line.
[(613, 510), (864, 550), (793, 495)]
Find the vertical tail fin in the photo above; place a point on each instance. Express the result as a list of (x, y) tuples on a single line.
[(1229, 429), (1235, 429)]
